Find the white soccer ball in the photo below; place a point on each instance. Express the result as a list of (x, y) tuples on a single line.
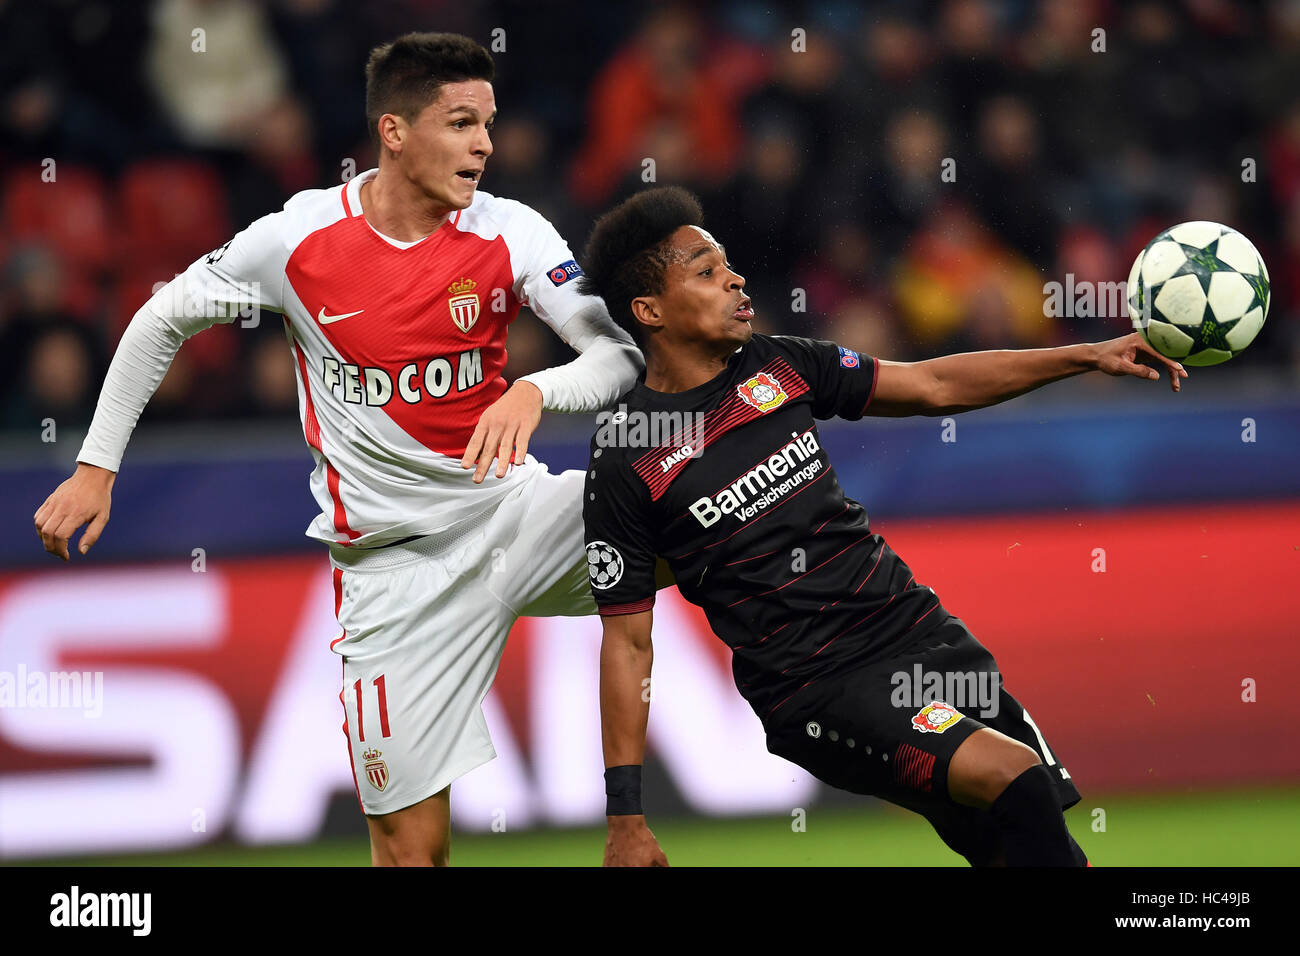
[(1199, 293)]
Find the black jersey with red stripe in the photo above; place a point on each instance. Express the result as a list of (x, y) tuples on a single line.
[(730, 484)]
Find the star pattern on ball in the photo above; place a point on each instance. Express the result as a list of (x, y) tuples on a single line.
[(1199, 292)]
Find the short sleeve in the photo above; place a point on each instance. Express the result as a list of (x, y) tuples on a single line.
[(841, 380), (620, 550)]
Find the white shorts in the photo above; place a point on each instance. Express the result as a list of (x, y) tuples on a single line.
[(424, 625)]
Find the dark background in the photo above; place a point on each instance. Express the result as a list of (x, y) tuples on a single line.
[(818, 169)]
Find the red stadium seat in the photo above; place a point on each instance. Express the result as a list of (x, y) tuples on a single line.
[(176, 208), (70, 215)]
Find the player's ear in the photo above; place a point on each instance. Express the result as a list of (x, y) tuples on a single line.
[(645, 309), (392, 131)]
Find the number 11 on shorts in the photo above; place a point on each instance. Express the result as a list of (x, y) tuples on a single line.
[(383, 708)]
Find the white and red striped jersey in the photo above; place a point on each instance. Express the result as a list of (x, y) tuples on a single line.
[(399, 348)]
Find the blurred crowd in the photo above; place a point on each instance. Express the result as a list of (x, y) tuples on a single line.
[(902, 177)]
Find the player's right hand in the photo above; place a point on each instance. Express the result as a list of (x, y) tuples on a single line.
[(85, 497), (630, 843)]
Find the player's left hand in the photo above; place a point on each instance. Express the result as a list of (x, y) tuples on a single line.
[(503, 431), (1119, 357)]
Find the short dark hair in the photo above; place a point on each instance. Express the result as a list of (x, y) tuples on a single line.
[(627, 253), (404, 76)]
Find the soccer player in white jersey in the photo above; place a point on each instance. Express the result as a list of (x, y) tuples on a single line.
[(396, 290)]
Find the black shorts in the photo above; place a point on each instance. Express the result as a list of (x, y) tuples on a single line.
[(874, 730)]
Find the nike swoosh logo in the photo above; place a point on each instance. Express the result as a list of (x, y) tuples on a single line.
[(324, 319)]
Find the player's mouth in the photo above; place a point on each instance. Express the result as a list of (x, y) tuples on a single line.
[(744, 311), (470, 175)]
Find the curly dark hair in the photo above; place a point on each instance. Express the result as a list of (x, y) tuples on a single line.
[(403, 77), (627, 252)]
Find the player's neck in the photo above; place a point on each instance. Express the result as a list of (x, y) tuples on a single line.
[(397, 208), (682, 371)]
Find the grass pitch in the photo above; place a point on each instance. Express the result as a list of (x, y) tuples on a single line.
[(1239, 828)]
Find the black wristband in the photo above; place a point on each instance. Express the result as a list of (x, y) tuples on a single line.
[(623, 790)]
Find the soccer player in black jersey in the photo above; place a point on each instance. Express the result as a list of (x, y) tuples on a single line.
[(713, 464)]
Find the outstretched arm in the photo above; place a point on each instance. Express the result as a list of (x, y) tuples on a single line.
[(139, 364), (960, 383), (242, 276)]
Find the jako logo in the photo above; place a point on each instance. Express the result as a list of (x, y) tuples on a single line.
[(686, 451), (103, 909)]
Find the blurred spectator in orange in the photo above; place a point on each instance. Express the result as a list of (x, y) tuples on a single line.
[(955, 271), (666, 74)]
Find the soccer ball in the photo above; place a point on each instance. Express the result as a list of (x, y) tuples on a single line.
[(1198, 293)]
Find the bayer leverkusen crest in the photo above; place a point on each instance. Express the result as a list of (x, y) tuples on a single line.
[(463, 303), (935, 718), (376, 769), (763, 391)]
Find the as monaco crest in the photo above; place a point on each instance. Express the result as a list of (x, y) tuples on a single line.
[(763, 392), (376, 769), (463, 305)]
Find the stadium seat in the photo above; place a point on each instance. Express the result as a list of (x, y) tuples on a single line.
[(173, 207), (70, 215)]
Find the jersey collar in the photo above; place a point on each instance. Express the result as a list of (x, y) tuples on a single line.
[(692, 396)]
